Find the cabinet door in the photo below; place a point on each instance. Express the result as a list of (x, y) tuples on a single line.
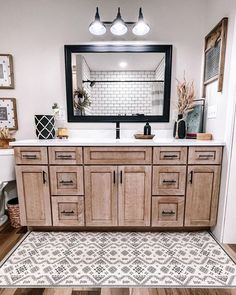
[(34, 195), (202, 195), (101, 195), (134, 195)]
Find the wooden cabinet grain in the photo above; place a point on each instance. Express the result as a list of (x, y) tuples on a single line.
[(34, 195), (202, 195), (101, 195), (134, 195)]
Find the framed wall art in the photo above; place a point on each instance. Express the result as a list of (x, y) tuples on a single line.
[(6, 71), (214, 60), (8, 113), (195, 119)]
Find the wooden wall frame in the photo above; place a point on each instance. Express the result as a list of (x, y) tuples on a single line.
[(6, 71), (218, 35), (8, 113)]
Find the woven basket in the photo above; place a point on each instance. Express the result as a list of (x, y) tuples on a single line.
[(14, 213)]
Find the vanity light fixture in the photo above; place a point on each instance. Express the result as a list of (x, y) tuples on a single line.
[(119, 27), (141, 28), (123, 64), (97, 27)]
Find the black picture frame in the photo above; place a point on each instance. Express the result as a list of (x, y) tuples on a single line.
[(98, 48)]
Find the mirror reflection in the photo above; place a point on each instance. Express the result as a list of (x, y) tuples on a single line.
[(118, 84)]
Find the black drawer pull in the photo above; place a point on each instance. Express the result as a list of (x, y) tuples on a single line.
[(168, 212), (68, 212), (170, 156), (169, 181), (64, 156), (30, 157), (66, 182), (205, 156)]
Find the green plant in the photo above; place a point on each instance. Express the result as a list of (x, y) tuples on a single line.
[(81, 99)]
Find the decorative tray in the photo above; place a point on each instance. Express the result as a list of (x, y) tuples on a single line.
[(142, 136)]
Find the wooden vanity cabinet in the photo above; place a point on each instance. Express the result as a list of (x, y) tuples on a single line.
[(118, 186), (34, 195), (202, 195), (117, 195), (101, 195), (134, 195)]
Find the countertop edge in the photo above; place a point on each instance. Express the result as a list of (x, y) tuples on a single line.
[(53, 142)]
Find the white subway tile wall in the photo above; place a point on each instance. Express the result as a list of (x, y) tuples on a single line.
[(123, 98)]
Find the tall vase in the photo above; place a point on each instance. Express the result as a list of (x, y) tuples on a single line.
[(180, 128)]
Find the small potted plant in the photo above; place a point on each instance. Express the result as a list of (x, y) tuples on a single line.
[(81, 101), (5, 138), (186, 94)]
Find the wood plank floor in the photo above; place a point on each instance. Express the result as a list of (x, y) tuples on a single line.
[(9, 237)]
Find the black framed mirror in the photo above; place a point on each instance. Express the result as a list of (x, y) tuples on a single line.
[(126, 83)]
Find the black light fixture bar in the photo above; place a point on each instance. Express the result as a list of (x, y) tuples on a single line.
[(118, 26)]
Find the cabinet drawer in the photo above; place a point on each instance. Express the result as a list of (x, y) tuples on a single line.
[(167, 211), (205, 155), (68, 211), (65, 155), (31, 155), (169, 180), (66, 180), (170, 155), (122, 155)]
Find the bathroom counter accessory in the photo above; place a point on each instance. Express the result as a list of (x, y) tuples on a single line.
[(143, 136)]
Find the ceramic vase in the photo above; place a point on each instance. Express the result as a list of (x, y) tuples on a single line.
[(180, 128)]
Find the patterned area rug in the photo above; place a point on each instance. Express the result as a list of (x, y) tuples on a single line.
[(118, 259)]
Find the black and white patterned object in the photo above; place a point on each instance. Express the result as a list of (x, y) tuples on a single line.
[(99, 259), (45, 126)]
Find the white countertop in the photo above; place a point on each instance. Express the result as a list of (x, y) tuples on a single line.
[(117, 142), (6, 152)]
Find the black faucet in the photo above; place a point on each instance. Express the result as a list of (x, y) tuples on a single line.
[(117, 130)]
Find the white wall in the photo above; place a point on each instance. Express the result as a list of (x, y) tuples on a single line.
[(34, 32), (222, 125)]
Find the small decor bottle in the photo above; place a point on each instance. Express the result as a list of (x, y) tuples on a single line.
[(147, 129), (180, 127)]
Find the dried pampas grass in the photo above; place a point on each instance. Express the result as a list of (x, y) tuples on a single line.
[(186, 94)]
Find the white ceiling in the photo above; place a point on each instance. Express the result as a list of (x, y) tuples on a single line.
[(111, 61)]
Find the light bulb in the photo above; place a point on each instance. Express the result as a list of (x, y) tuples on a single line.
[(141, 28), (97, 27), (118, 26)]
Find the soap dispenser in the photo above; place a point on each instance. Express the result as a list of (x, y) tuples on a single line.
[(147, 129)]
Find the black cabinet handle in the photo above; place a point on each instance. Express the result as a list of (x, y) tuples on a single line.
[(170, 156), (30, 157), (168, 212), (191, 177), (44, 177), (64, 156), (205, 156), (66, 182), (169, 181), (67, 212), (114, 177), (121, 176)]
